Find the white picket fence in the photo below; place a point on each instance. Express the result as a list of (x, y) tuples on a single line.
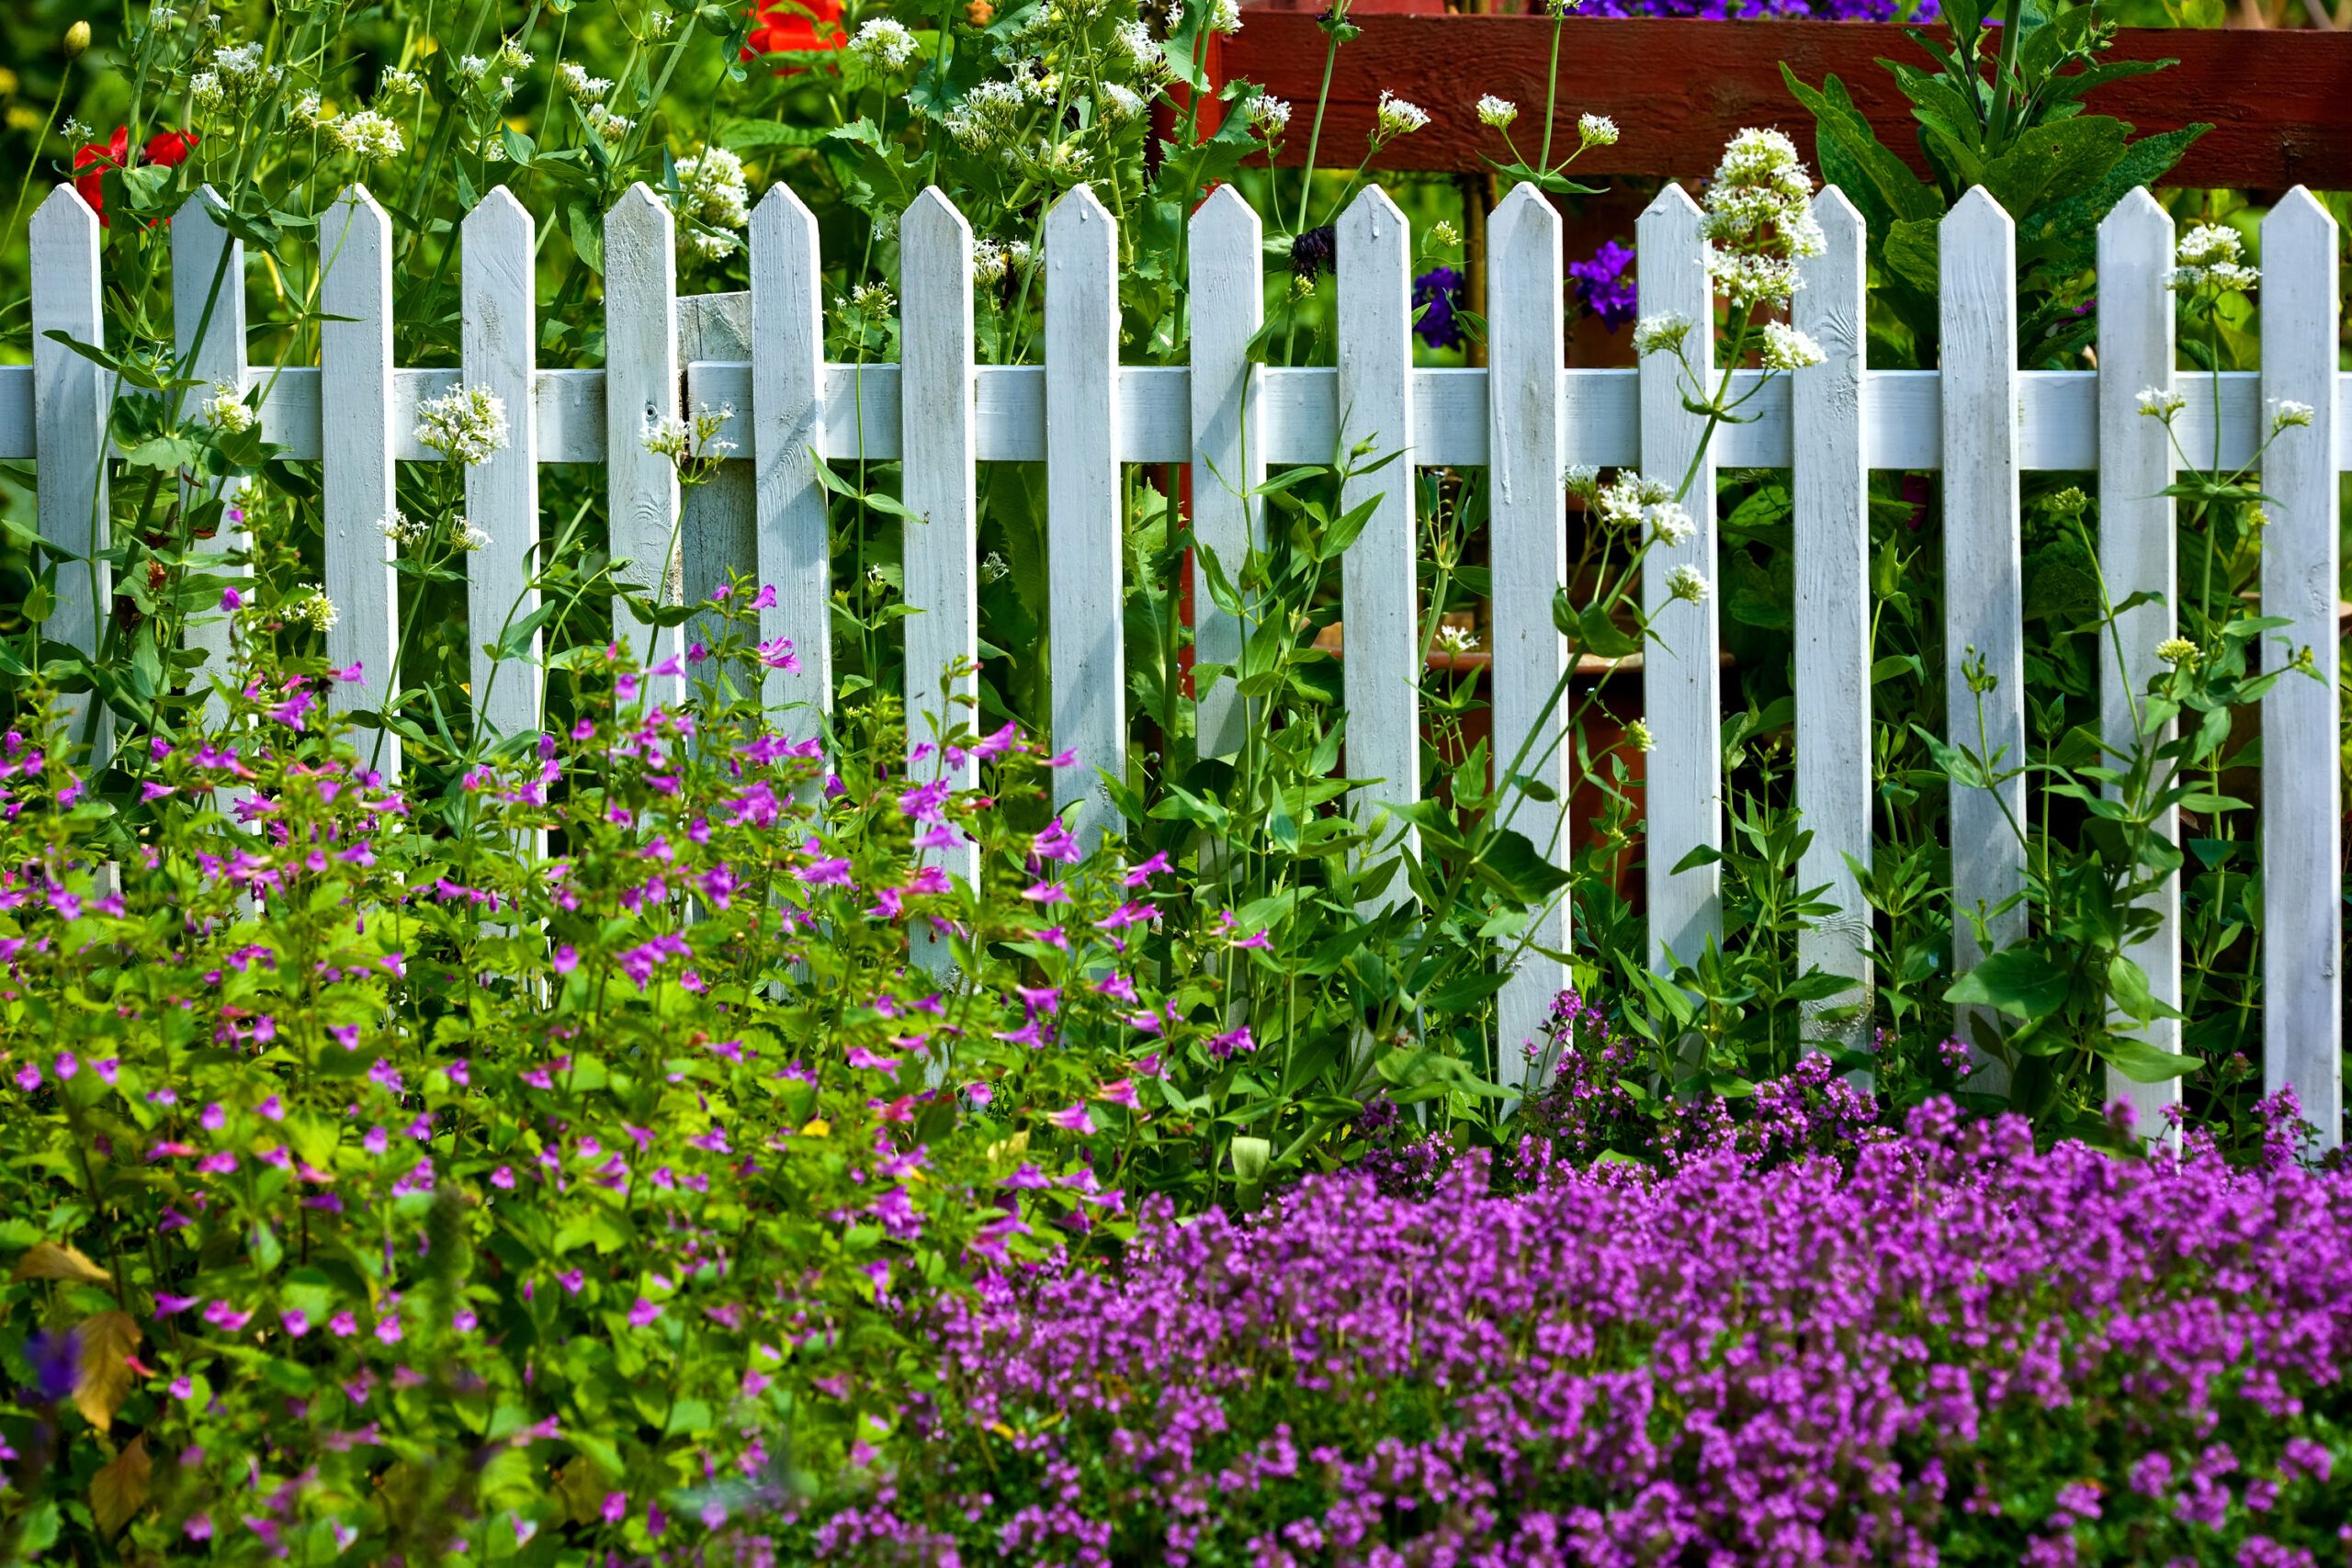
[(1979, 420)]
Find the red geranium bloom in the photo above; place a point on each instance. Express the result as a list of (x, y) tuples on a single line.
[(792, 27), (168, 148)]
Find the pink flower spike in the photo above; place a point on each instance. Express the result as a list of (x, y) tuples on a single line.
[(1073, 1119)]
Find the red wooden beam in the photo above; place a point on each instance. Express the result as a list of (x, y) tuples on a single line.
[(2281, 101)]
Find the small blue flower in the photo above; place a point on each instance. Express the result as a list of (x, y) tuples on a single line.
[(1437, 293)]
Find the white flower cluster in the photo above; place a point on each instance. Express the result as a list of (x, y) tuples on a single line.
[(2177, 651), (2286, 414), (581, 87), (689, 440), (874, 301), (1597, 130), (1142, 48), (227, 411), (2209, 258), (1637, 735), (232, 77), (712, 195), (1646, 505), (372, 136), (402, 529), (1497, 112), (882, 44), (1393, 117), (312, 605), (1785, 348), (1457, 640), (989, 117), (1224, 16), (992, 262), (2158, 403), (307, 113), (1759, 219), (1269, 117), (510, 60), (465, 424), (1661, 333), (399, 84), (1121, 104), (1687, 581)]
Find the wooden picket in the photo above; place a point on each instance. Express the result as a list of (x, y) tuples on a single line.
[(208, 335), (1978, 420)]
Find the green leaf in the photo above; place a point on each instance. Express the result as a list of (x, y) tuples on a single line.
[(1513, 865), (2142, 1063), (2018, 981)]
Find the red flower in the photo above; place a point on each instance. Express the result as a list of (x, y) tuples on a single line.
[(168, 148), (791, 27)]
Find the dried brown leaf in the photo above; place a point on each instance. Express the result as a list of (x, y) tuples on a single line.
[(48, 1261), (103, 1380), (119, 1491)]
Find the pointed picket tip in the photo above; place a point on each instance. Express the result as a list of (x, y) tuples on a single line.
[(932, 213), (1227, 211), (2137, 213), (1836, 213), (2299, 213), (1671, 201), (359, 196), (1079, 211), (781, 206), (1524, 208), (1374, 216), (640, 210), (497, 211), (63, 211), (203, 205), (1977, 207)]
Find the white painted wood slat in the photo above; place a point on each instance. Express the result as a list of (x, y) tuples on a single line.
[(69, 406), (718, 520), (356, 463), (788, 411), (640, 392), (939, 485), (1084, 521), (1682, 685), (209, 336), (1378, 601), (1527, 530), (1228, 455), (1831, 492), (1983, 608), (2136, 551), (497, 339), (2302, 807)]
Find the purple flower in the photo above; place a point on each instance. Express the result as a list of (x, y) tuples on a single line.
[(1603, 287), (1437, 293)]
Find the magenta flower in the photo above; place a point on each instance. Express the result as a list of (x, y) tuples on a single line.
[(642, 1314), (1073, 1119)]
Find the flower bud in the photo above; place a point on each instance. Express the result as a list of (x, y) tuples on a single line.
[(77, 40)]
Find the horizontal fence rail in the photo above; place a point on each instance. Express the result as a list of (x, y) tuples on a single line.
[(1082, 415)]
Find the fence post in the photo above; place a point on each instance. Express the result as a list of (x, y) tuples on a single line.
[(938, 484), (498, 334), (1983, 610), (356, 476), (1228, 445), (1083, 508), (1830, 487), (70, 398), (1682, 672), (1527, 525), (1381, 673), (2303, 807), (788, 421), (209, 336), (2136, 550), (641, 380)]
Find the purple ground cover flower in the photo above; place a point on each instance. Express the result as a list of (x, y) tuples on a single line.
[(1603, 287), (1437, 293), (1948, 1346)]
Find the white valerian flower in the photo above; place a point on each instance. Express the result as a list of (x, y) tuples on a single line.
[(1687, 581), (711, 246), (402, 529), (226, 411), (711, 183), (2286, 414), (1758, 218), (573, 78), (2157, 403), (666, 436), (307, 114), (2177, 651), (1558, 9), (1785, 348), (467, 537), (1142, 48), (873, 299), (465, 424), (492, 149), (397, 83), (241, 62), (1269, 116), (989, 264), (684, 440), (1661, 333), (883, 44), (1637, 735), (312, 605), (1456, 639), (472, 68), (1668, 524), (608, 126), (513, 56), (206, 89), (1120, 105), (1445, 235), (1393, 117), (1629, 500), (2209, 258), (1582, 479), (1224, 16), (658, 23), (1497, 112), (994, 568), (1597, 130), (368, 135), (988, 116), (73, 131)]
